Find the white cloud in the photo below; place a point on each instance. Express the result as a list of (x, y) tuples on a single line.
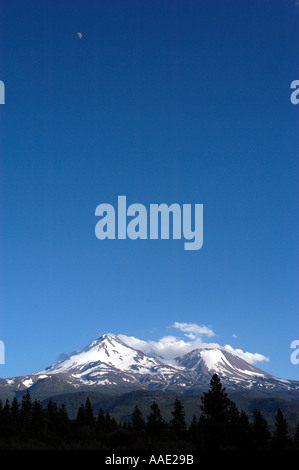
[(166, 348), (169, 347), (192, 329), (252, 358)]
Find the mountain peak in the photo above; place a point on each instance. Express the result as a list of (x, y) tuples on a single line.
[(227, 365), (107, 353), (108, 361), (107, 337)]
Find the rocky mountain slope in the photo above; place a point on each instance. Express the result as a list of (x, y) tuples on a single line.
[(110, 365)]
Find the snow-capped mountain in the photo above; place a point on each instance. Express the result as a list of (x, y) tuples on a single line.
[(108, 363), (232, 369), (106, 352), (108, 359)]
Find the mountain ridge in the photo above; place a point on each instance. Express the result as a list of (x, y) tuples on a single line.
[(111, 365)]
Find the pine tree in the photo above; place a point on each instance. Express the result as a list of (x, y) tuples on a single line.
[(88, 414), (261, 433), (101, 422), (178, 423), (63, 425), (193, 432), (244, 438), (6, 428), (85, 416), (26, 406), (155, 423), (15, 415), (38, 422), (137, 421), (281, 438), (2, 424), (296, 438), (80, 419), (110, 423), (26, 415), (214, 419), (51, 415), (233, 424)]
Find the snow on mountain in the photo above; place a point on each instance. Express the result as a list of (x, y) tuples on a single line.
[(108, 351), (231, 368), (219, 361), (110, 363)]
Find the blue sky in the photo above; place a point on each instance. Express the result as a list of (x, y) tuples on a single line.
[(161, 101)]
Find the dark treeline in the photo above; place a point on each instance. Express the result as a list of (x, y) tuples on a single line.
[(221, 426)]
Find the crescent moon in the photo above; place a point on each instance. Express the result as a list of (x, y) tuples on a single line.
[(79, 35)]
